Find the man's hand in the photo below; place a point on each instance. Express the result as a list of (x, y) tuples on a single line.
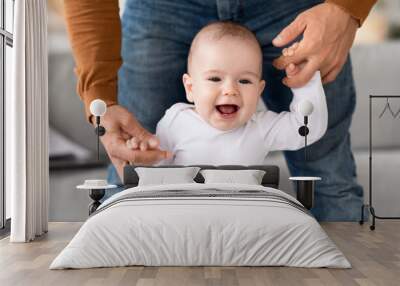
[(328, 34), (120, 126)]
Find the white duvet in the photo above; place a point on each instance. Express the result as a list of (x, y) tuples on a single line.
[(207, 230)]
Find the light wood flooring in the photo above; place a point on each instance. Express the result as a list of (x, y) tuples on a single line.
[(374, 255)]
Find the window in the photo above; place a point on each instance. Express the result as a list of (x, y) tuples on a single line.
[(6, 44)]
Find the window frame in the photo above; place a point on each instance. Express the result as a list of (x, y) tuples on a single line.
[(6, 39)]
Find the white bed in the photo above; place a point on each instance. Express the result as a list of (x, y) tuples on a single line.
[(224, 225)]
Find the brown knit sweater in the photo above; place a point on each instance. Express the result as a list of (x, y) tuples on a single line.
[(95, 31)]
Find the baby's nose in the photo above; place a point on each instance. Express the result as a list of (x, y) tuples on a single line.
[(231, 92), (230, 89)]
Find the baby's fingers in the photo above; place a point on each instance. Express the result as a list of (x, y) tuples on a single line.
[(143, 146), (292, 70), (288, 52), (133, 143)]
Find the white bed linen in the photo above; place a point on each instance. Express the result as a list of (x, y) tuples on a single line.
[(200, 231)]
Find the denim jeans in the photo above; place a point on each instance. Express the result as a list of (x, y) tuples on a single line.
[(156, 40)]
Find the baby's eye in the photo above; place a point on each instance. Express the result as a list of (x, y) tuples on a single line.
[(214, 79), (245, 81)]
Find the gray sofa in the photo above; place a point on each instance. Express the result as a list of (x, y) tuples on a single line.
[(376, 71)]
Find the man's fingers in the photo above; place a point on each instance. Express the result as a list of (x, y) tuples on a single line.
[(303, 76), (149, 157), (334, 63), (290, 33), (130, 125), (125, 136), (330, 76)]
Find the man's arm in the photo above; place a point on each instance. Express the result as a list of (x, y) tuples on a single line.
[(94, 29), (95, 32)]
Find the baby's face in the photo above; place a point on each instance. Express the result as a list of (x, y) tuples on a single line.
[(225, 81)]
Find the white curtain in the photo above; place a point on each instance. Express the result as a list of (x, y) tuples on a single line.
[(27, 172)]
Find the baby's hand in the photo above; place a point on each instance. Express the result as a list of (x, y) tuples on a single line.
[(135, 144), (288, 52), (291, 69), (144, 145)]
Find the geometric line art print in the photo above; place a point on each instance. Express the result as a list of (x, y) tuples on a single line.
[(389, 109)]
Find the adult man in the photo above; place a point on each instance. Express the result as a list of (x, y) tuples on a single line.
[(155, 43)]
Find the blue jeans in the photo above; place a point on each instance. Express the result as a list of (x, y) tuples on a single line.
[(156, 40)]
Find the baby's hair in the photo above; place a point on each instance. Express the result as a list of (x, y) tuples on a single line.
[(220, 29)]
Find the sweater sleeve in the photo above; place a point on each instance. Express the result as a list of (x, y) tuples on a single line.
[(94, 30), (359, 9), (279, 131)]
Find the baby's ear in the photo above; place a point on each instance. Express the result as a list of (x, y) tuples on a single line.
[(262, 86), (187, 83)]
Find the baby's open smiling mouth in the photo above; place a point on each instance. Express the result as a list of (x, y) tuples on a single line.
[(227, 110)]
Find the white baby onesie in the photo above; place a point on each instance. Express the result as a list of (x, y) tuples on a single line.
[(193, 141)]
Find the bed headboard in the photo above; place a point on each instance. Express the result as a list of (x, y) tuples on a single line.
[(270, 179)]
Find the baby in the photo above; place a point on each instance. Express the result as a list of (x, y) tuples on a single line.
[(224, 83)]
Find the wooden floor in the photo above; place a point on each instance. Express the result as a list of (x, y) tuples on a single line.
[(374, 255)]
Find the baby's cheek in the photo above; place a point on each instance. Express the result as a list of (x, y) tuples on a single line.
[(204, 109), (246, 117), (209, 104), (250, 109)]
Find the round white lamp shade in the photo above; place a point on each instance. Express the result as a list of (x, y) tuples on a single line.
[(98, 107), (305, 107)]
